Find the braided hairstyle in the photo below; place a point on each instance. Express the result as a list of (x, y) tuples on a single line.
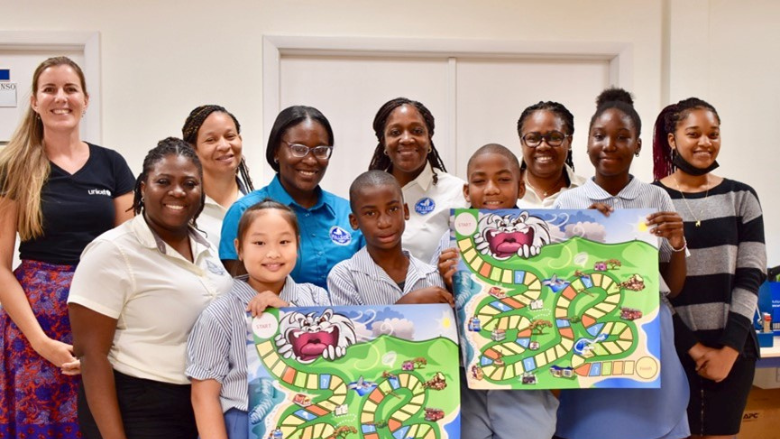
[(559, 110), (189, 133), (380, 161), (166, 147), (665, 124)]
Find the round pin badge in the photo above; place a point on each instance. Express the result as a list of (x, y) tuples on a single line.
[(340, 236), (424, 206)]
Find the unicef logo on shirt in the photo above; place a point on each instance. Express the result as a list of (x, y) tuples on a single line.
[(340, 236), (424, 206)]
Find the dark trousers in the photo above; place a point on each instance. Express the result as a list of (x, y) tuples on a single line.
[(149, 409)]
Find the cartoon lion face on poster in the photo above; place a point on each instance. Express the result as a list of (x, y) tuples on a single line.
[(308, 337), (505, 236)]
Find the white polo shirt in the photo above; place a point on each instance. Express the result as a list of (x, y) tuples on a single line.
[(210, 220), (532, 201), (131, 275), (429, 210)]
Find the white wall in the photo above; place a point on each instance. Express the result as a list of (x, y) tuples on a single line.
[(162, 58)]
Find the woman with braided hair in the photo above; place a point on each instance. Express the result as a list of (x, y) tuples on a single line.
[(215, 134), (724, 228), (404, 129), (136, 294), (545, 130)]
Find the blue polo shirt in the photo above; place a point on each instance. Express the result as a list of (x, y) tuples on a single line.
[(326, 236)]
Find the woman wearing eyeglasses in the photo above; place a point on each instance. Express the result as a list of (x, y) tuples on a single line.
[(299, 150), (545, 131), (404, 129)]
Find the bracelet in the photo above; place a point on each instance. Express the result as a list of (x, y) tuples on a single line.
[(681, 249)]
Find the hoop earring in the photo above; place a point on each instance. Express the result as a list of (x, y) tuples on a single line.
[(384, 151)]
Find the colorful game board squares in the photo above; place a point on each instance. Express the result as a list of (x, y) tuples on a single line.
[(300, 379), (305, 415), (519, 277), (324, 380), (587, 281), (566, 333), (317, 410), (398, 433), (500, 306), (612, 347), (289, 375), (529, 364), (512, 303), (587, 320), (595, 370), (605, 307), (595, 329), (469, 256), (264, 348), (507, 277)]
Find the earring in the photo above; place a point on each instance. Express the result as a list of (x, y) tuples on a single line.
[(636, 154), (276, 159), (385, 151)]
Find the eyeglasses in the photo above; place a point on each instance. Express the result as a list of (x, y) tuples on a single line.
[(553, 138), (321, 152)]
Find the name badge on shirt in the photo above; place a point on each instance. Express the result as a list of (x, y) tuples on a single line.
[(424, 206), (215, 268), (340, 236)]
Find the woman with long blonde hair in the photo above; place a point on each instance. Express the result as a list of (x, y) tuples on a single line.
[(58, 193)]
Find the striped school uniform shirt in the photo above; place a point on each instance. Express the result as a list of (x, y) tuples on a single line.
[(360, 281)]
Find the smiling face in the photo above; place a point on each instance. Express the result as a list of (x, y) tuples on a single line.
[(697, 138), (380, 213), (171, 196), (59, 99), (301, 175), (219, 145), (545, 161), (269, 249), (613, 141), (407, 140), (494, 182)]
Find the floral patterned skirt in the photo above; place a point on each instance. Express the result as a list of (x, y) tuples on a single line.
[(36, 400)]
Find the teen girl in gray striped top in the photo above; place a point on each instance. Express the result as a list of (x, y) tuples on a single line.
[(725, 232)]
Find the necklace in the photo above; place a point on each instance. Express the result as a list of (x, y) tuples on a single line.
[(555, 189), (707, 194)]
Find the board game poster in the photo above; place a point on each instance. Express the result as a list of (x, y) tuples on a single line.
[(354, 372), (557, 299)]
